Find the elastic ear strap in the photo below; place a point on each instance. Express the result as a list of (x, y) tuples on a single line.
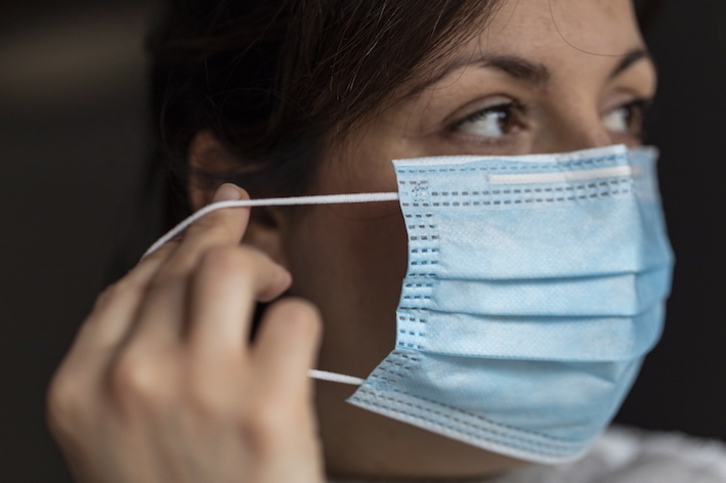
[(290, 201), (335, 377)]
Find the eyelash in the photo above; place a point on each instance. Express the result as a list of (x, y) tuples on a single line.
[(509, 109), (637, 111)]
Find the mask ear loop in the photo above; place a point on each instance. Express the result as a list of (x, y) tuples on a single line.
[(335, 377), (290, 201), (293, 200)]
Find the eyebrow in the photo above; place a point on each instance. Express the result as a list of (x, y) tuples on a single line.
[(629, 59), (537, 73), (520, 68)]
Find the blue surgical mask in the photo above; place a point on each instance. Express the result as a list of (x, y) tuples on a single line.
[(535, 286)]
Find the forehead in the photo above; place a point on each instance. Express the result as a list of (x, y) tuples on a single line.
[(605, 27), (574, 40)]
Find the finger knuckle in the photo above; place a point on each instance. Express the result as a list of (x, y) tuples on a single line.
[(115, 291), (207, 401), (164, 250), (236, 263), (179, 267), (213, 226), (265, 427), (67, 402), (301, 316), (138, 382), (228, 258), (210, 257)]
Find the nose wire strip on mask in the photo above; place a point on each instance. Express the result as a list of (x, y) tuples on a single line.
[(290, 201)]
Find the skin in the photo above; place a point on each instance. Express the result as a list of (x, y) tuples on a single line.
[(162, 384)]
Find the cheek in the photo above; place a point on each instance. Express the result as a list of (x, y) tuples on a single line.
[(350, 263)]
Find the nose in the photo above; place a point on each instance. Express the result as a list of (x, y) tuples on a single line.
[(587, 136), (572, 130)]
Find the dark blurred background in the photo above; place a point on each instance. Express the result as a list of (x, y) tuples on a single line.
[(72, 122)]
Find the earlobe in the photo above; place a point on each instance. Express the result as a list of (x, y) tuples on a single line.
[(208, 155)]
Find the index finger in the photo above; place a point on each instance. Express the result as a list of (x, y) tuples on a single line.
[(217, 228)]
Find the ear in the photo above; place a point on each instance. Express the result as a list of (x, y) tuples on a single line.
[(266, 226)]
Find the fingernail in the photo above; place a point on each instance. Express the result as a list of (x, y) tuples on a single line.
[(227, 192)]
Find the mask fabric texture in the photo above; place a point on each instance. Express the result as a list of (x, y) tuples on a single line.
[(535, 286)]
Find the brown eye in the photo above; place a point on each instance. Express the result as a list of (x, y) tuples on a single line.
[(627, 119), (492, 122)]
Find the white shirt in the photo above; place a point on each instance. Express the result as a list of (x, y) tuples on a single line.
[(624, 455)]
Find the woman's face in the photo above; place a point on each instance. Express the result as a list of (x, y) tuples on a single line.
[(542, 76)]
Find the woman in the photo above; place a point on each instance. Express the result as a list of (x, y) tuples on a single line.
[(164, 382)]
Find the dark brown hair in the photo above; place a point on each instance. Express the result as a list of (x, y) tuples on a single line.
[(277, 80)]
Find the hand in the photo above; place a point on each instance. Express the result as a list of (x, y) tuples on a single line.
[(163, 385)]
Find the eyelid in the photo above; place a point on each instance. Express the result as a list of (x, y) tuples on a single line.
[(641, 103), (516, 123), (470, 109), (512, 107), (634, 129), (624, 97)]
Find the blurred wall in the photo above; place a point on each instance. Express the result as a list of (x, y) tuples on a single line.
[(71, 148), (71, 145)]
